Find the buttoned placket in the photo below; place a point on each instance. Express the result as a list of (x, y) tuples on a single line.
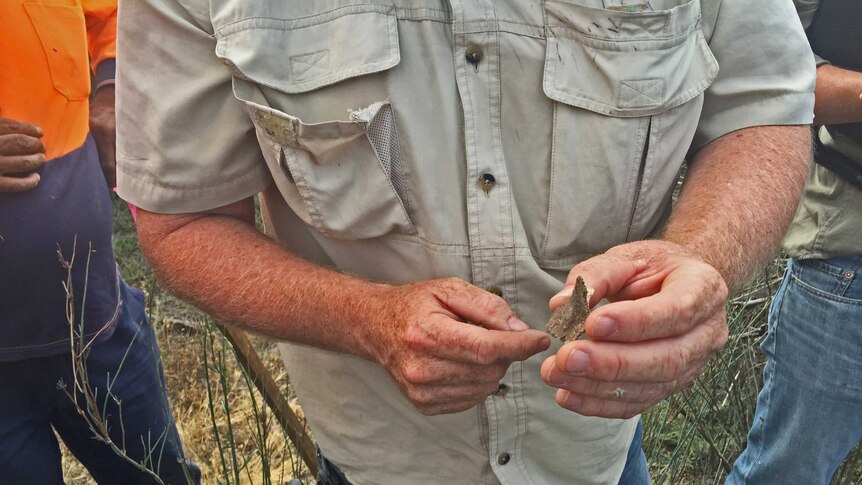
[(489, 210)]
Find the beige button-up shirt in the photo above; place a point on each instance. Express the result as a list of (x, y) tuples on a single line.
[(498, 141)]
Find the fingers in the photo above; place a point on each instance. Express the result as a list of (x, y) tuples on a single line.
[(422, 372), (586, 394), (452, 340), (606, 274), (20, 144), (661, 360), (478, 306), (690, 295), (17, 173), (19, 184), (21, 163), (624, 400), (433, 400), (624, 391), (10, 126)]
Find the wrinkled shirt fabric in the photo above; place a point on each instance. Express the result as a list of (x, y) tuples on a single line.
[(497, 141)]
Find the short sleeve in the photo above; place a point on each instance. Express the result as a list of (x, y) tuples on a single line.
[(766, 68), (101, 17), (184, 143)]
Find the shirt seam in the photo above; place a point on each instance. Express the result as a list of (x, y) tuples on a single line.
[(749, 106), (145, 177)]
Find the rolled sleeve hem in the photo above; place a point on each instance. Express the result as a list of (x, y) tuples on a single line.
[(784, 109), (106, 71), (151, 195)]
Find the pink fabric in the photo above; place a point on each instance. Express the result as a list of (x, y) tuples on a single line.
[(132, 209)]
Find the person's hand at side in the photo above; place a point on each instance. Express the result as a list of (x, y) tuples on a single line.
[(21, 154), (666, 318), (103, 126), (447, 343)]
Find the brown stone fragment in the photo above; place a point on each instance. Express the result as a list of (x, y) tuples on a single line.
[(567, 322)]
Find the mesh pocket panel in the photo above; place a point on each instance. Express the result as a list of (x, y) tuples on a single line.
[(383, 135)]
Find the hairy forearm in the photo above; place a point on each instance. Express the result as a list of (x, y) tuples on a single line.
[(739, 195), (838, 96), (220, 263)]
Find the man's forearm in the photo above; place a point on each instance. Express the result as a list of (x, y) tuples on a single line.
[(739, 195), (222, 264), (838, 96)]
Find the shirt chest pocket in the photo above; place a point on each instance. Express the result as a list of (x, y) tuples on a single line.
[(627, 88), (315, 88), (62, 30)]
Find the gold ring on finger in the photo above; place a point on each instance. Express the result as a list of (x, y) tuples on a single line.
[(619, 393)]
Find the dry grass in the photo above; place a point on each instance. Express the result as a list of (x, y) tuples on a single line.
[(691, 438), (182, 348), (242, 421)]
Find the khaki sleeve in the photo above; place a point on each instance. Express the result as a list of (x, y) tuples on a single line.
[(184, 143), (766, 68)]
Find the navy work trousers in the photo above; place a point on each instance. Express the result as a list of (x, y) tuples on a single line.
[(33, 407)]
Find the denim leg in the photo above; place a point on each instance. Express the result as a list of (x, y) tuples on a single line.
[(29, 452), (130, 358), (636, 471), (809, 412)]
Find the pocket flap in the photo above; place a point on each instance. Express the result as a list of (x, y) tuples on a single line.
[(626, 64), (303, 54)]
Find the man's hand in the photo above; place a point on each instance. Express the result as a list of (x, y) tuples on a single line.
[(21, 153), (103, 126), (665, 319), (447, 343)]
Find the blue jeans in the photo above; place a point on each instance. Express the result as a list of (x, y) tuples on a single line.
[(809, 412), (32, 408), (634, 473)]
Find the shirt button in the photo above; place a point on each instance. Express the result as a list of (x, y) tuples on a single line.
[(494, 290), (473, 55), (487, 182), (503, 458), (502, 390)]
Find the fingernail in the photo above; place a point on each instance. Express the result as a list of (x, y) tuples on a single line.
[(578, 362), (564, 293), (604, 327), (516, 324), (39, 131)]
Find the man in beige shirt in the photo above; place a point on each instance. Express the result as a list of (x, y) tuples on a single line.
[(432, 173)]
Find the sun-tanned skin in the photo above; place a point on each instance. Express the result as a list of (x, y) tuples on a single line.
[(838, 96), (738, 198)]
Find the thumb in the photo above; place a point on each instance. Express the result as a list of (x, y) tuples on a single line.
[(606, 274)]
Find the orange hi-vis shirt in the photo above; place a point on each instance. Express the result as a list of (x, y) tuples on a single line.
[(46, 54)]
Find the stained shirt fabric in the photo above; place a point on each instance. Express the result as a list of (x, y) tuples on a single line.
[(828, 221), (497, 141), (47, 50)]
